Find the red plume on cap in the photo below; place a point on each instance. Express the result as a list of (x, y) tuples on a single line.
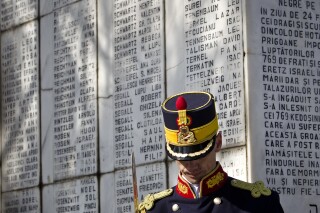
[(181, 103)]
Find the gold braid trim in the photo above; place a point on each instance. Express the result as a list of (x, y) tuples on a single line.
[(194, 154), (148, 201), (257, 189)]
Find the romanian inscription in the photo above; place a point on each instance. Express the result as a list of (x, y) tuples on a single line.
[(20, 107), (77, 196), (15, 12), (27, 200), (214, 60), (150, 178), (291, 87), (138, 79), (75, 111)]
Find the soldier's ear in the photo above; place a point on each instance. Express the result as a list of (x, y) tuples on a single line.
[(218, 144)]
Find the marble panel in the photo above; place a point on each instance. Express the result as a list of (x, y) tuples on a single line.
[(173, 173), (150, 178), (71, 70), (20, 107), (26, 200), (107, 193), (234, 162), (138, 71), (205, 52), (16, 12), (79, 195), (283, 108)]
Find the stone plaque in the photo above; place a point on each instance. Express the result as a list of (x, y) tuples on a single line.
[(74, 196), (15, 12), (233, 161), (20, 107), (205, 47), (27, 200), (138, 81), (284, 71), (73, 124), (214, 60), (172, 174), (150, 178), (106, 191)]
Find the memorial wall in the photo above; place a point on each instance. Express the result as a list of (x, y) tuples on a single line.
[(82, 83), (283, 63)]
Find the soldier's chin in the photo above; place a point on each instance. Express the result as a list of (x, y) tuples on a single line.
[(194, 175), (192, 178)]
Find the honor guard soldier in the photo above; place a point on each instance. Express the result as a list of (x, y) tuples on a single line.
[(192, 140)]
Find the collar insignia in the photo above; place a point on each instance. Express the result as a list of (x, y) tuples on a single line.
[(184, 189), (215, 180), (209, 184)]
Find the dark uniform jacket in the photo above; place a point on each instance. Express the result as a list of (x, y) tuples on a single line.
[(218, 193)]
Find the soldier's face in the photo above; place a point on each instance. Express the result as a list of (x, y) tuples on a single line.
[(195, 170)]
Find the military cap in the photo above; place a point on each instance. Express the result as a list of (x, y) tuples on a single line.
[(190, 125)]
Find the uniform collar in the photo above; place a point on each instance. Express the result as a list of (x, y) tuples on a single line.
[(209, 184)]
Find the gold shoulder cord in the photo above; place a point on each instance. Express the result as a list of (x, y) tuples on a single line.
[(256, 188), (148, 201)]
